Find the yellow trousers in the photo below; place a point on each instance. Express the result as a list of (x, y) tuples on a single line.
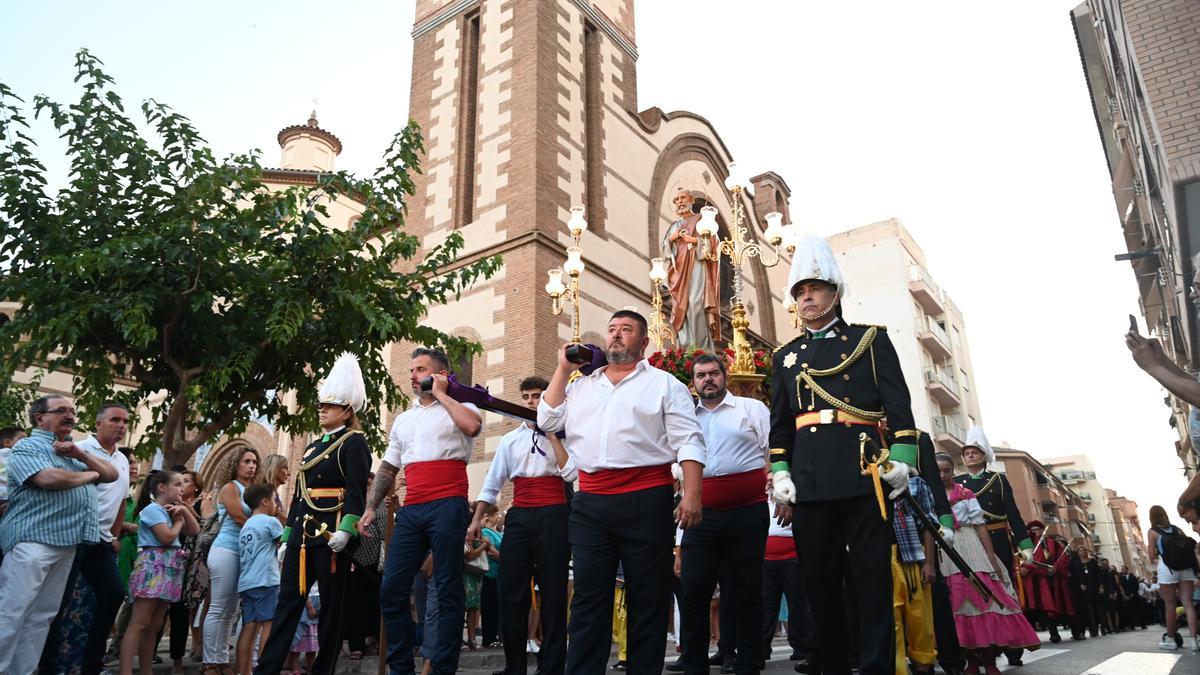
[(912, 604), (620, 633)]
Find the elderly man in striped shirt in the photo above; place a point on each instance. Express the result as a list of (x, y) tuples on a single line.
[(52, 509)]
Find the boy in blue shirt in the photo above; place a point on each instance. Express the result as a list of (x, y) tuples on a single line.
[(258, 576)]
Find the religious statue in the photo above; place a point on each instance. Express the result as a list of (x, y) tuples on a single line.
[(692, 280)]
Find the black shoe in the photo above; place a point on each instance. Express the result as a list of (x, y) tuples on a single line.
[(807, 667), (797, 655), (1015, 661), (619, 665), (1055, 638), (717, 658), (727, 664), (676, 666)]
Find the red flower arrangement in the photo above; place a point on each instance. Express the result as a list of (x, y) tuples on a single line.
[(677, 361)]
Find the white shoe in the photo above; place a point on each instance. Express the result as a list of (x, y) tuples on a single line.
[(1168, 644), (532, 647)]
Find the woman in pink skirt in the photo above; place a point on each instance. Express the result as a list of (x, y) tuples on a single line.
[(985, 627)]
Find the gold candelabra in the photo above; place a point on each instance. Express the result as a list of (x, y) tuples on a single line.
[(561, 293), (660, 329), (739, 247)]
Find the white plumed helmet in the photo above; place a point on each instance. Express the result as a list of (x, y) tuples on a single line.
[(344, 384), (813, 259)]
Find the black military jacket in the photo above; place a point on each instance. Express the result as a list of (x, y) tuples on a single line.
[(824, 460), (346, 467), (996, 499), (927, 468)]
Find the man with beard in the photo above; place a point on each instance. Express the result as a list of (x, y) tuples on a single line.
[(733, 532), (692, 280), (831, 384), (625, 424), (432, 442), (52, 509), (98, 562)]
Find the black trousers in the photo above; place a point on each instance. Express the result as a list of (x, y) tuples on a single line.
[(732, 541), (637, 530), (824, 529), (97, 563), (783, 580), (363, 619), (177, 615), (489, 606), (949, 653), (292, 605), (534, 548)]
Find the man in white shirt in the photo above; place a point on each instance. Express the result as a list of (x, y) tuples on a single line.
[(98, 562), (535, 536), (733, 532), (431, 442), (625, 424)]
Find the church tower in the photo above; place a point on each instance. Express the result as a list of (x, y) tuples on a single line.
[(529, 107)]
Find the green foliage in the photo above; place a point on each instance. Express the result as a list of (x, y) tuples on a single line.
[(14, 403), (160, 265)]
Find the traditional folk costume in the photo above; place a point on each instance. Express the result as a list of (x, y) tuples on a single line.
[(912, 599), (329, 498), (534, 545), (982, 623), (433, 452), (1046, 579), (1003, 519), (623, 438), (732, 534), (829, 386)]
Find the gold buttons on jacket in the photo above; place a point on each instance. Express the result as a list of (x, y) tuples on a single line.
[(843, 357), (813, 429)]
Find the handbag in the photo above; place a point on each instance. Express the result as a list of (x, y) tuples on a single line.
[(206, 536), (477, 567)]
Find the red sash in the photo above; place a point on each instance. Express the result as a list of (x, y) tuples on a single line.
[(780, 548), (539, 491), (435, 479), (734, 490), (620, 481)]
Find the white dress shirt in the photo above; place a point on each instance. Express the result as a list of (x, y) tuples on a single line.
[(110, 496), (425, 433), (647, 419), (735, 435), (523, 453)]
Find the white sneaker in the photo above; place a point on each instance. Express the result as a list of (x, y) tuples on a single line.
[(532, 647), (1168, 643)]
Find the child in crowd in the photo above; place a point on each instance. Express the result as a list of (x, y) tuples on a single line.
[(157, 578), (306, 640), (258, 576), (912, 576)]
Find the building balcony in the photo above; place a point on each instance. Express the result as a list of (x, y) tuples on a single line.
[(933, 338), (942, 386), (948, 434), (926, 293)]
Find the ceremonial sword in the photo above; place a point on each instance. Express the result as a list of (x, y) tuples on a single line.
[(879, 456)]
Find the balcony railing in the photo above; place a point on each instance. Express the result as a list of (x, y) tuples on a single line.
[(933, 337), (942, 385), (943, 425), (927, 293)]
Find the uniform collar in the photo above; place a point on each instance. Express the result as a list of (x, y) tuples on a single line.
[(834, 326)]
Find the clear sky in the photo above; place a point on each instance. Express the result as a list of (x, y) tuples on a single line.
[(969, 122)]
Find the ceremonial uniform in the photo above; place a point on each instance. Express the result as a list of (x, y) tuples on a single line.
[(534, 545), (328, 500), (623, 438), (732, 533), (829, 386), (1047, 592), (432, 452), (1002, 518), (330, 489)]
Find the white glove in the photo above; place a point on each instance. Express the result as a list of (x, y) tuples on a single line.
[(282, 552), (947, 534), (339, 540), (783, 490), (897, 477)]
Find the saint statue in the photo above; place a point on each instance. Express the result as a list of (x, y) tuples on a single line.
[(692, 281)]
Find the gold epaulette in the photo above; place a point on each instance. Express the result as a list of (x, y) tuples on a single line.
[(869, 325), (795, 339)]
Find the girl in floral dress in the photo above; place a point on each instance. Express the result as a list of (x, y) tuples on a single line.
[(157, 578), (985, 627)]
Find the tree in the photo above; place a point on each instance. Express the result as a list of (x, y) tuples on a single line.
[(190, 276)]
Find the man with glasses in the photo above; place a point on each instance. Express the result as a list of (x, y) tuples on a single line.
[(52, 509)]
